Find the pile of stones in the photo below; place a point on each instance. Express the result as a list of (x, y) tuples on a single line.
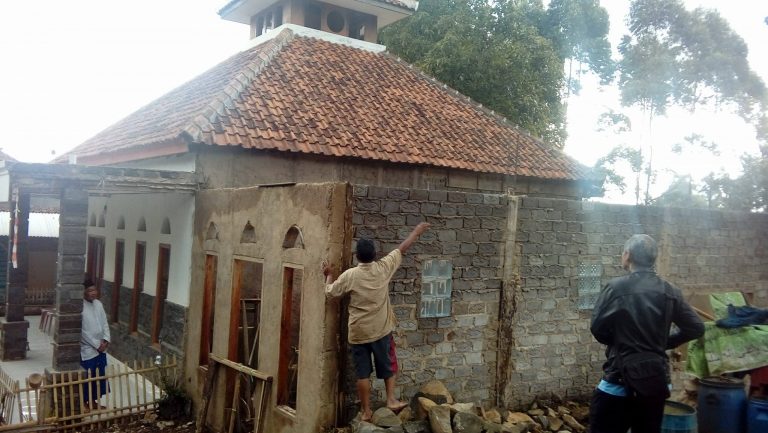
[(433, 410)]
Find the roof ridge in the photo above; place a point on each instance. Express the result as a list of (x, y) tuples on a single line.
[(239, 83)]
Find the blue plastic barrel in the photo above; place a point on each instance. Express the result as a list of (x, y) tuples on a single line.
[(757, 416), (678, 418), (722, 405)]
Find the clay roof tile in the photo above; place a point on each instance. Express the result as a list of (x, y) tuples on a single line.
[(313, 96)]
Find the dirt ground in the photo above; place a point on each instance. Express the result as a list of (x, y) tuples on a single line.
[(147, 426)]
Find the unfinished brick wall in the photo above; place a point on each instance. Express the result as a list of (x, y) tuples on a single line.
[(468, 230), (529, 251), (701, 251)]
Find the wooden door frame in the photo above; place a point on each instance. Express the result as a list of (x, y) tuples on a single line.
[(97, 274), (138, 288), (118, 282), (209, 306), (234, 315), (159, 304)]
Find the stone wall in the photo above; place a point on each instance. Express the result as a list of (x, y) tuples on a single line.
[(468, 230), (701, 252), (128, 346)]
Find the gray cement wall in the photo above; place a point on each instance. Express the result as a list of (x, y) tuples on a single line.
[(320, 211), (247, 167), (553, 352), (468, 230)]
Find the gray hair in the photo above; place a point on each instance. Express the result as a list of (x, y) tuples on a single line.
[(642, 250)]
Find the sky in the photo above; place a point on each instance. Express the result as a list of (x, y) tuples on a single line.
[(71, 69)]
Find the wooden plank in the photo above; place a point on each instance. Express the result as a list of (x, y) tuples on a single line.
[(241, 368), (235, 403), (213, 369)]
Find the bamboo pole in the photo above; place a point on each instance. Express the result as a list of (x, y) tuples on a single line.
[(136, 381), (703, 314)]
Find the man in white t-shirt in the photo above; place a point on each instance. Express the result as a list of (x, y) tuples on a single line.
[(94, 340), (371, 318)]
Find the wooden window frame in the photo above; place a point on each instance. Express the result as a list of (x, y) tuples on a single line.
[(284, 355)]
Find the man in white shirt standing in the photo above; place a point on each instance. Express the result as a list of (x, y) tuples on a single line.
[(94, 340)]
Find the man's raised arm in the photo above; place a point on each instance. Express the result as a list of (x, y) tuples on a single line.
[(413, 236)]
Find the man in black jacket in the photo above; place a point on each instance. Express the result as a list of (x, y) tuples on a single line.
[(632, 317)]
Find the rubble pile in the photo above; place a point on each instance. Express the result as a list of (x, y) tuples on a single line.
[(433, 410)]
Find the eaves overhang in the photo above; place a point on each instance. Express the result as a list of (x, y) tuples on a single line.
[(47, 179)]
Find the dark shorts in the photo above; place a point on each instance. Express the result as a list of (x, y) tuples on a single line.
[(384, 357), (96, 366)]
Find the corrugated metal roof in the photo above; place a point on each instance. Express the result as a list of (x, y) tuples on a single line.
[(41, 225)]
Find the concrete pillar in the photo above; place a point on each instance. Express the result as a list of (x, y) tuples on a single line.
[(73, 221), (13, 328)]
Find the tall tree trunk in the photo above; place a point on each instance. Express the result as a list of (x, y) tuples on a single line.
[(649, 171)]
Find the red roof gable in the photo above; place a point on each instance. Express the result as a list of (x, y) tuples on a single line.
[(312, 96)]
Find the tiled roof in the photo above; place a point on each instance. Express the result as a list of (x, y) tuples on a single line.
[(306, 95)]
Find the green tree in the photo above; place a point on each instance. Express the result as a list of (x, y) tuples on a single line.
[(579, 29), (674, 56), (620, 157), (504, 54)]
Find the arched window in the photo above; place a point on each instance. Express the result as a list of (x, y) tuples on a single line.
[(249, 234), (294, 238), (142, 227), (165, 229), (92, 220), (212, 233), (121, 223), (102, 220)]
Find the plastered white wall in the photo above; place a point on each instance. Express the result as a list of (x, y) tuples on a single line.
[(154, 208)]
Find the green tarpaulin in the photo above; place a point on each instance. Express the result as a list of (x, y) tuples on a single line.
[(723, 350)]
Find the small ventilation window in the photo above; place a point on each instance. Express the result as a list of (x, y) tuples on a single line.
[(590, 277), (294, 238), (121, 223), (165, 229), (436, 287), (356, 27), (312, 16), (267, 21), (335, 21), (212, 233), (249, 234), (142, 227)]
